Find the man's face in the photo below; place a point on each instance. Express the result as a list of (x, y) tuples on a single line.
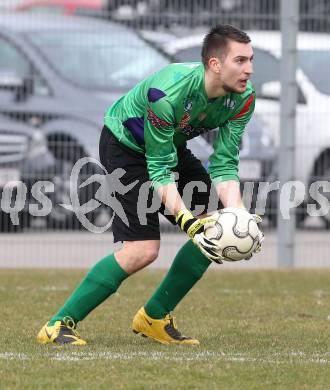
[(236, 67)]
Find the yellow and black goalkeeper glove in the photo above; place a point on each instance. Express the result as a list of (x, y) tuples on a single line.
[(194, 228)]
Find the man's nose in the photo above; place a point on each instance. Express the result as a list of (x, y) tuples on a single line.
[(249, 67)]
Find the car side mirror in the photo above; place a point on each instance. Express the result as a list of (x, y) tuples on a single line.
[(20, 86)]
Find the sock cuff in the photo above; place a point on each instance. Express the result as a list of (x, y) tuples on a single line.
[(116, 270), (108, 272)]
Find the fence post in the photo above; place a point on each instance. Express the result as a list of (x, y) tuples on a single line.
[(288, 101)]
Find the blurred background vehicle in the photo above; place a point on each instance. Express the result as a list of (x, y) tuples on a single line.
[(247, 14), (23, 154), (158, 14), (13, 150), (66, 100), (67, 7)]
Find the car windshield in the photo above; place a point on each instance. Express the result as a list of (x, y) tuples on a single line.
[(189, 54), (314, 64), (99, 60)]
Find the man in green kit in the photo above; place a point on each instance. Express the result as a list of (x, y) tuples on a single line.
[(145, 134)]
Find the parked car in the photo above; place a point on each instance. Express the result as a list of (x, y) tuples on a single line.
[(67, 7), (23, 154), (13, 149), (312, 160), (61, 73)]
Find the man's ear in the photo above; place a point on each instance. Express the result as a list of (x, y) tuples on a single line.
[(215, 64)]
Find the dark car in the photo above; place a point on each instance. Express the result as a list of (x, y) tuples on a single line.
[(22, 150), (60, 74), (13, 150)]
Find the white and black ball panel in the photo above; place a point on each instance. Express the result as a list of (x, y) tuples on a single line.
[(214, 232), (235, 233)]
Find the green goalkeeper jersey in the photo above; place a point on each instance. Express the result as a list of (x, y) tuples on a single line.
[(166, 109)]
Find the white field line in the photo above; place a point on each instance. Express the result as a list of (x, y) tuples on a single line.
[(42, 288), (293, 357), (13, 356), (54, 288), (232, 291)]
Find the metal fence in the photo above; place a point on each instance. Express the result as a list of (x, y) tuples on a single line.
[(55, 87)]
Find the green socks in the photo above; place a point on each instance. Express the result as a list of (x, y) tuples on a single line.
[(188, 267), (100, 282), (106, 276)]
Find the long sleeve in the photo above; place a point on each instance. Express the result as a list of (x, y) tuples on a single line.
[(224, 161), (160, 151)]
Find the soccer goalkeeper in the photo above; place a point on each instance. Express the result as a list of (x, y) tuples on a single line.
[(145, 134)]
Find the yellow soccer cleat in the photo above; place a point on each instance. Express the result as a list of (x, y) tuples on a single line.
[(164, 330), (62, 332)]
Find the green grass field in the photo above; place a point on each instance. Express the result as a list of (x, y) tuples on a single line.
[(258, 330)]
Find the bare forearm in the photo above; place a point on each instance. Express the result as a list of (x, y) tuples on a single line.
[(171, 198), (230, 194)]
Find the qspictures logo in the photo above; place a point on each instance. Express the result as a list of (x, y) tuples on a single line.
[(111, 188)]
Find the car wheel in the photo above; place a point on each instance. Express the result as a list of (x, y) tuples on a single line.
[(6, 225), (61, 217), (323, 174)]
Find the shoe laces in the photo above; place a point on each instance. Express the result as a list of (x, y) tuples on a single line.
[(172, 329), (68, 323)]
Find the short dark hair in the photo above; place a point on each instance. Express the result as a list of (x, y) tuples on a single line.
[(215, 42)]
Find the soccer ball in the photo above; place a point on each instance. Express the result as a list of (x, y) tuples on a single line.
[(235, 233)]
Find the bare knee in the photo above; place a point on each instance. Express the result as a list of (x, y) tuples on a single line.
[(151, 255), (135, 255), (146, 252)]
